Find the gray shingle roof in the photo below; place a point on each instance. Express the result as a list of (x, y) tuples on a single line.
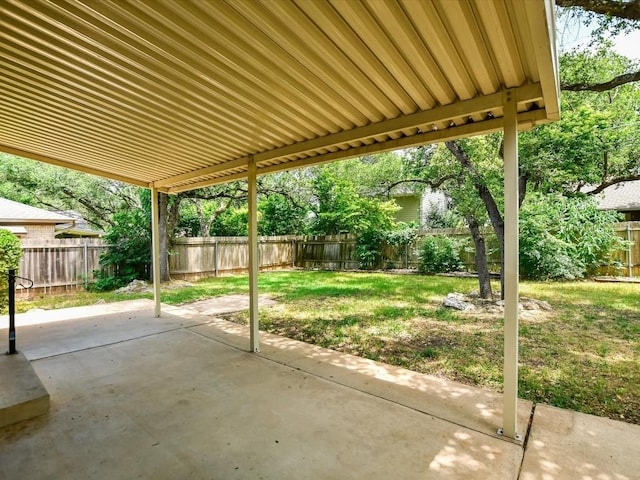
[(15, 212), (623, 196)]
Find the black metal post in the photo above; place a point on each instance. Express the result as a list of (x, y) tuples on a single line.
[(12, 312)]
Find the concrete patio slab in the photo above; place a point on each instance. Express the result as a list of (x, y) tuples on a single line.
[(473, 408), (226, 304), (133, 396), (571, 445), (45, 333), (179, 404)]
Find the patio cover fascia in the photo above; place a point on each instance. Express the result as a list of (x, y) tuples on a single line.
[(180, 95)]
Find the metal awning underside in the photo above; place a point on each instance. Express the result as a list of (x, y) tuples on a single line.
[(182, 94)]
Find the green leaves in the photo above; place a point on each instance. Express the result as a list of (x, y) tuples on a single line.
[(342, 209), (440, 254), (10, 255), (596, 140), (565, 238), (128, 256)]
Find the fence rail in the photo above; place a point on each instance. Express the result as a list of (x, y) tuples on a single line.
[(69, 263)]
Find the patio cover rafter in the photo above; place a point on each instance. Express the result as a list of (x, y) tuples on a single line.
[(178, 95)]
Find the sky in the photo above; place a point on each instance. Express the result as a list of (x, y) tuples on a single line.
[(629, 45), (572, 34)]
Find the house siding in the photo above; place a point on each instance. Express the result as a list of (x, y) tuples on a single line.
[(409, 209), (40, 232)]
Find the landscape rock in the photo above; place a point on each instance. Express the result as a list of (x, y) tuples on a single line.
[(528, 307), (456, 300), (136, 286)]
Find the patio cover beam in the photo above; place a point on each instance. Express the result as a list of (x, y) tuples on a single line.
[(227, 171)]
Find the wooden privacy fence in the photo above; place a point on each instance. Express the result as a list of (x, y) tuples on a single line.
[(328, 252), (629, 258), (202, 257), (69, 263), (60, 264), (338, 252)]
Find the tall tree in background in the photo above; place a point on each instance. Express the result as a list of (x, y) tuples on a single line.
[(594, 146)]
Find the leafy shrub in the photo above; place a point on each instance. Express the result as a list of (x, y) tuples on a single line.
[(404, 235), (105, 282), (369, 245), (440, 254), (233, 222), (128, 256), (565, 238), (342, 209), (10, 255)]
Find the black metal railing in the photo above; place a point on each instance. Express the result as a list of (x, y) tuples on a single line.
[(12, 277)]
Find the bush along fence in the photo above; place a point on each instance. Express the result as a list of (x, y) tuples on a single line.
[(339, 252)]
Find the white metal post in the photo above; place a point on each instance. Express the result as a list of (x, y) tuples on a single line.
[(511, 268), (155, 250), (253, 258)]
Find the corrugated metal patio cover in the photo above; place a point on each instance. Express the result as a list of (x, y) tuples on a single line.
[(180, 94)]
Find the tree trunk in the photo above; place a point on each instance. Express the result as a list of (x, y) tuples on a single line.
[(489, 202), (163, 212), (484, 277)]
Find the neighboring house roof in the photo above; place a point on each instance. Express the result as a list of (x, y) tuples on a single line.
[(14, 230), (80, 228), (19, 213), (623, 197)]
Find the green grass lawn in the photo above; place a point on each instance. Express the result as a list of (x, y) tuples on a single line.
[(584, 355)]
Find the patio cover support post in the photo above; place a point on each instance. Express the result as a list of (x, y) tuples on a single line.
[(253, 257), (155, 250), (511, 269)]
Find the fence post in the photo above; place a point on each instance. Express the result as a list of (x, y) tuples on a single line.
[(215, 256), (629, 250), (85, 252), (406, 256), (12, 312)]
